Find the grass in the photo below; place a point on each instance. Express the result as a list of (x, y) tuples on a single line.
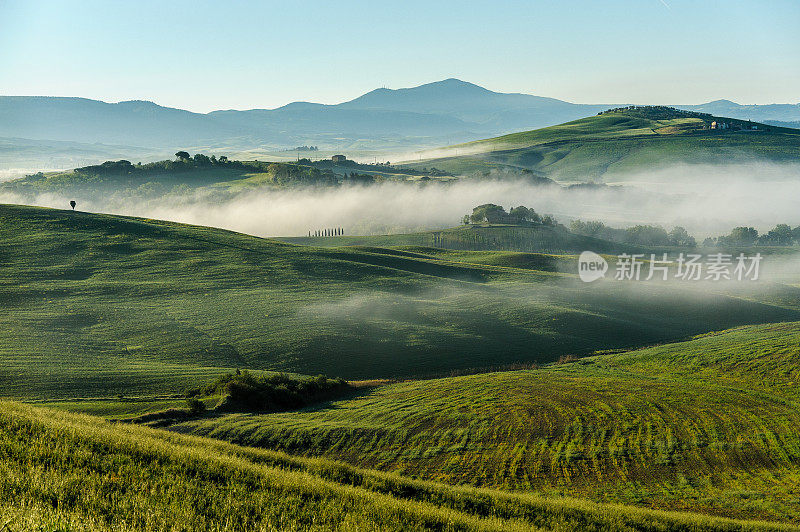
[(103, 306), (708, 425), (100, 305), (613, 145), (71, 472), (477, 237)]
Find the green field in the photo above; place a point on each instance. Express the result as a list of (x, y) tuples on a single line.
[(711, 425), (479, 237), (69, 472), (612, 146), (608, 427), (99, 305)]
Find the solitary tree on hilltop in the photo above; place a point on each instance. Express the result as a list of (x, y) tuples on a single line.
[(72, 204)]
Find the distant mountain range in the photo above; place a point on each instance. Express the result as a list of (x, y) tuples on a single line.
[(444, 112), (777, 112)]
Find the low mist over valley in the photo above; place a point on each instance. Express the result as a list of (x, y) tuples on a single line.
[(707, 200)]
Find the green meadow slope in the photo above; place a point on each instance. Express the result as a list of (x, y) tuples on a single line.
[(100, 305), (212, 178), (63, 471), (477, 237), (709, 425), (123, 181), (611, 146)]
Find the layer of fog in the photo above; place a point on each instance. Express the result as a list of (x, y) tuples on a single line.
[(707, 200), (9, 174), (421, 155), (674, 307)]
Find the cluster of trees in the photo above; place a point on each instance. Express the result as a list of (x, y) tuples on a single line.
[(280, 173), (355, 178), (184, 162), (245, 391), (291, 174), (495, 214), (780, 235), (432, 171), (108, 168), (654, 235), (200, 159), (656, 112), (642, 235)]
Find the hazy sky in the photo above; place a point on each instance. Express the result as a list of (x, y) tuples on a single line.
[(205, 55)]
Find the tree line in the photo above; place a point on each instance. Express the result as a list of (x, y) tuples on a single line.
[(335, 231), (655, 235), (641, 235), (780, 235)]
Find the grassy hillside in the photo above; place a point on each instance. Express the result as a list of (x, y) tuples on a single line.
[(70, 472), (100, 305), (218, 178), (609, 146), (475, 237), (709, 424), (123, 180)]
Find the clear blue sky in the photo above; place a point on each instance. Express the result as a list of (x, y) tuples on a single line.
[(206, 55)]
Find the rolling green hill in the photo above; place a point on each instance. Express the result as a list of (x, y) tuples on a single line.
[(615, 143), (123, 180), (100, 305), (216, 179), (478, 237), (69, 472), (711, 424)]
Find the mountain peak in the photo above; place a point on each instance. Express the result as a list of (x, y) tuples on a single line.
[(139, 103), (450, 85), (423, 97), (454, 82)]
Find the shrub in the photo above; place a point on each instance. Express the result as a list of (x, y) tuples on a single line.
[(262, 393), (195, 405)]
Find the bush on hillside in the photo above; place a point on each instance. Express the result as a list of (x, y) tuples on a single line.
[(195, 405), (263, 393)]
